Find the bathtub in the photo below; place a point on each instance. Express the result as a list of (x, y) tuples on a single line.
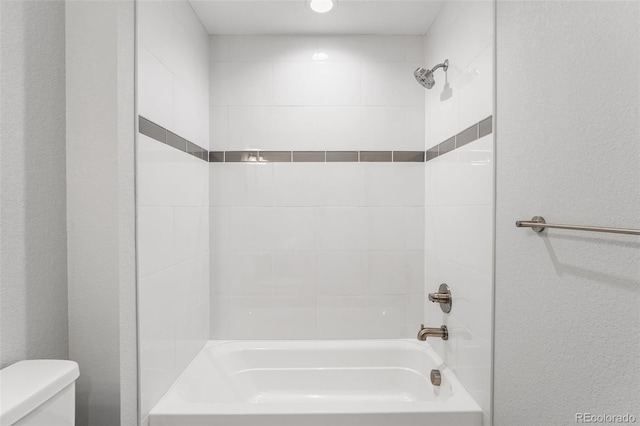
[(315, 383)]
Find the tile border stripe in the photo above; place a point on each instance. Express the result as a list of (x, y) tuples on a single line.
[(167, 137), (468, 135), (259, 156), (159, 133)]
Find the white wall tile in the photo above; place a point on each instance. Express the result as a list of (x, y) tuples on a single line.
[(360, 317), (156, 239), (191, 114), (342, 228), (370, 48), (389, 84), (414, 230), (219, 317), (219, 128), (394, 272), (476, 227), (386, 228), (172, 195), (155, 89), (294, 273), (272, 228), (315, 83), (191, 292), (239, 83), (414, 49), (291, 228), (191, 233), (242, 273), (341, 185), (361, 128), (157, 320), (157, 336), (278, 317), (475, 170), (459, 191), (414, 137), (219, 234), (441, 112), (238, 184), (318, 222), (394, 184), (155, 27), (153, 182), (297, 184), (475, 86), (294, 83), (273, 128), (272, 48), (341, 273)]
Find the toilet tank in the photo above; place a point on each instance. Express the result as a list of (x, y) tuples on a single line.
[(38, 393)]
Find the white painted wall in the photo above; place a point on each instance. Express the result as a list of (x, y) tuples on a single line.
[(567, 140), (172, 196), (316, 250), (459, 192), (33, 231), (100, 209)]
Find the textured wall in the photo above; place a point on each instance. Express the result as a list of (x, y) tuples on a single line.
[(33, 238), (567, 305)]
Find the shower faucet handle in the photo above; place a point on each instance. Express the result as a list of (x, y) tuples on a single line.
[(443, 297)]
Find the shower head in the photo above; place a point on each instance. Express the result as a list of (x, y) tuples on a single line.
[(425, 76)]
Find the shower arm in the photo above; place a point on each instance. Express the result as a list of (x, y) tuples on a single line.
[(444, 65)]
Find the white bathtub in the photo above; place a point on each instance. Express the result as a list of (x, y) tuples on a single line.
[(316, 383)]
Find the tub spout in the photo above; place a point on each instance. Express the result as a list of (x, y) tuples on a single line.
[(425, 332)]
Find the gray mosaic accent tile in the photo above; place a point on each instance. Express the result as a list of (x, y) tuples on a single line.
[(308, 156), (194, 150), (176, 141), (152, 130), (486, 127), (275, 156), (342, 156), (216, 156), (447, 146), (432, 153), (376, 156), (467, 136), (408, 156), (240, 156)]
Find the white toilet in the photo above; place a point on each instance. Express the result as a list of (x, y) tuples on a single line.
[(38, 393)]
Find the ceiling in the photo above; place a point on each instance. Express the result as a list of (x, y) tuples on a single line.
[(406, 17)]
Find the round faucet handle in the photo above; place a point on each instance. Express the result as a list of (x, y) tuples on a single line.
[(443, 297)]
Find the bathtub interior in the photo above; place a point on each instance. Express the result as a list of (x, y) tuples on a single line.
[(268, 377), (268, 372)]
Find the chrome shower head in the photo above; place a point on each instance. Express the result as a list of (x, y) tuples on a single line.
[(425, 76)]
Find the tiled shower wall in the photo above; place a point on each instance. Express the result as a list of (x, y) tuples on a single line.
[(172, 195), (459, 190), (316, 250)]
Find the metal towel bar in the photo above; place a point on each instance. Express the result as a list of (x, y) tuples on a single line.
[(538, 224)]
